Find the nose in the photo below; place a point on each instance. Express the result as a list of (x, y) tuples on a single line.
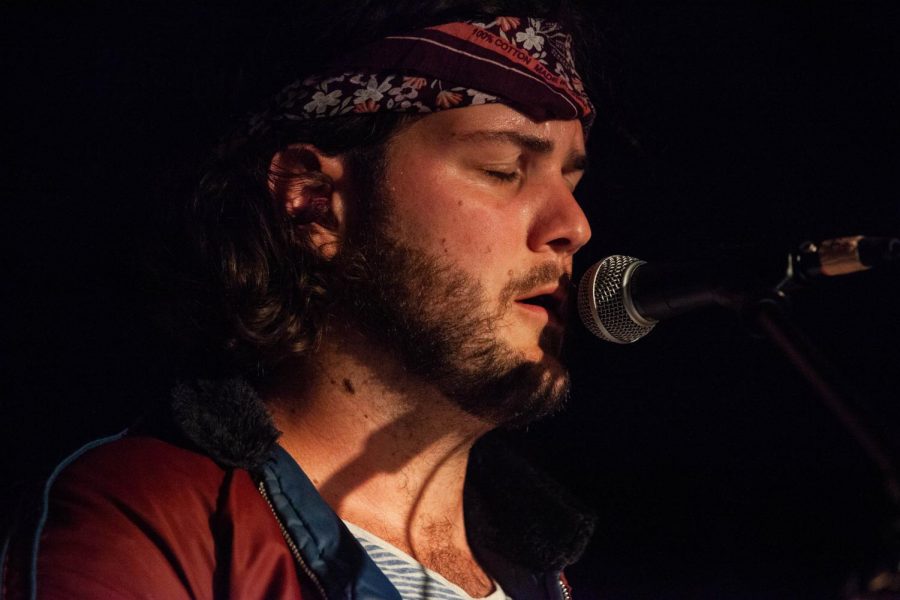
[(559, 224)]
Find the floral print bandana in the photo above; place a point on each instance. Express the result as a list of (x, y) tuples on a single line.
[(523, 62)]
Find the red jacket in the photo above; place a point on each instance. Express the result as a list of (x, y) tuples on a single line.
[(142, 518), (206, 506)]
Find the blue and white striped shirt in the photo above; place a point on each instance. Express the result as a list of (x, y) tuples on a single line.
[(412, 579)]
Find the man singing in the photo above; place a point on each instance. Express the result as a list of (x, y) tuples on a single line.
[(375, 277)]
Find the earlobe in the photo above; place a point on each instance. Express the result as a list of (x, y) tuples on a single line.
[(308, 185)]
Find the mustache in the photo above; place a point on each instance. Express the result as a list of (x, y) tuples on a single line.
[(539, 276)]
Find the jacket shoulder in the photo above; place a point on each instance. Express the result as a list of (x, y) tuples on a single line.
[(147, 474), (138, 517)]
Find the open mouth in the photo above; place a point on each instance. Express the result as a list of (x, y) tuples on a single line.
[(551, 304)]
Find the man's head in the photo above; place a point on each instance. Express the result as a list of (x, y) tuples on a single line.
[(446, 239)]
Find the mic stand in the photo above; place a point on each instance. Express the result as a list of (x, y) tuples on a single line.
[(770, 316)]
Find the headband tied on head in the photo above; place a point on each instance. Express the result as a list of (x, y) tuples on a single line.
[(523, 62)]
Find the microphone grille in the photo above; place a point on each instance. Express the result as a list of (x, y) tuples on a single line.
[(602, 302)]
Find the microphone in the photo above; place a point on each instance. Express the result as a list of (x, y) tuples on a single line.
[(621, 298)]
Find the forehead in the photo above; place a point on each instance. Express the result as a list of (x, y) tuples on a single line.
[(477, 124)]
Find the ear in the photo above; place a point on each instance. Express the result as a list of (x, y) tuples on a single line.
[(311, 187)]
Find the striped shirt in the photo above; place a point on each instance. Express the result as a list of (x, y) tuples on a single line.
[(412, 579)]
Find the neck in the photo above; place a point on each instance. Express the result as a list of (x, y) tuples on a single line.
[(386, 450)]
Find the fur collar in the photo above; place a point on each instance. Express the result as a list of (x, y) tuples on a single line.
[(512, 509)]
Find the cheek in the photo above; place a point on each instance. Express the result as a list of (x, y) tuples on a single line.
[(443, 213)]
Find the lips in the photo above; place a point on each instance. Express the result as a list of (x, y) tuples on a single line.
[(549, 300)]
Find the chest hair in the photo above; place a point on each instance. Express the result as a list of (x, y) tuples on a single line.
[(435, 550)]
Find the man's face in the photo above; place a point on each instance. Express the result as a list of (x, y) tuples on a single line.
[(489, 191), (468, 271)]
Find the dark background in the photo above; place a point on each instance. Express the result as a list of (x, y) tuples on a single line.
[(714, 470)]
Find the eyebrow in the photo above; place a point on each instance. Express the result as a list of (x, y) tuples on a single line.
[(576, 160)]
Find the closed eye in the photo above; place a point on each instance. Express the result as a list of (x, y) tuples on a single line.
[(502, 175)]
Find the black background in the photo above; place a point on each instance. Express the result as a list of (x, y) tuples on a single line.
[(714, 470)]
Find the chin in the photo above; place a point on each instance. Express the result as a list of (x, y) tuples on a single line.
[(543, 359), (540, 345)]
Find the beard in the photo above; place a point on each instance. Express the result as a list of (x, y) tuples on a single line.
[(438, 322)]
